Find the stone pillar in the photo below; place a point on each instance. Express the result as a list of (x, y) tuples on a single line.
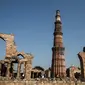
[(49, 74), (28, 69), (8, 70), (24, 68), (81, 56), (18, 70)]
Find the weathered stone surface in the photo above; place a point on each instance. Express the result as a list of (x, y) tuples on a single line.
[(40, 83), (58, 68), (12, 55), (10, 44), (81, 56)]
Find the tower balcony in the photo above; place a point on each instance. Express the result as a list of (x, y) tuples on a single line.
[(58, 33), (58, 48), (58, 22)]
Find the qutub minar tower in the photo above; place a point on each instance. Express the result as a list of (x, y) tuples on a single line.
[(58, 68)]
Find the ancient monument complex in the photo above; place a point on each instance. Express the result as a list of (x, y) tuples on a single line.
[(55, 75)]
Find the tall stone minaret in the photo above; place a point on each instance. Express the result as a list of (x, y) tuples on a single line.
[(58, 68)]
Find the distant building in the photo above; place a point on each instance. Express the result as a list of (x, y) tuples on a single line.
[(73, 72), (48, 73), (37, 72)]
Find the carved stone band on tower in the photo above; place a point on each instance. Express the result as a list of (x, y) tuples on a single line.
[(58, 68)]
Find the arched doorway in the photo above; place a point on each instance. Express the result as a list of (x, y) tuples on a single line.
[(17, 67), (14, 66), (22, 64)]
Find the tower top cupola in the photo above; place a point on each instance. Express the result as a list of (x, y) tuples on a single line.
[(58, 18)]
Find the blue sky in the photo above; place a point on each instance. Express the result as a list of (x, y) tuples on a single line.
[(32, 23)]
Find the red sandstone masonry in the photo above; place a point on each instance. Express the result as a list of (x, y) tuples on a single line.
[(58, 68)]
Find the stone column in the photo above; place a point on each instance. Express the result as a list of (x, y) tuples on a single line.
[(24, 68), (49, 73), (28, 66), (8, 70), (18, 70), (28, 70)]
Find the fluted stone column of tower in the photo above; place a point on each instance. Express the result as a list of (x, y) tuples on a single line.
[(58, 68)]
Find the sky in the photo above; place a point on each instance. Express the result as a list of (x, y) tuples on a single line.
[(32, 23)]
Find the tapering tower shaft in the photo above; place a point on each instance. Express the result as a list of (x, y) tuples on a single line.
[(58, 60)]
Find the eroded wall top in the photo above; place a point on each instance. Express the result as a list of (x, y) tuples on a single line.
[(10, 44)]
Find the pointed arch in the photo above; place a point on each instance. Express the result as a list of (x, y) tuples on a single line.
[(2, 38), (20, 56)]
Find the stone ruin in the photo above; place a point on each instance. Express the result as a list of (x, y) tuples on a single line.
[(11, 58), (81, 56)]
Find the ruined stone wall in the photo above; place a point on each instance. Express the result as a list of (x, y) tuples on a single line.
[(12, 53), (81, 56), (40, 83), (10, 44)]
